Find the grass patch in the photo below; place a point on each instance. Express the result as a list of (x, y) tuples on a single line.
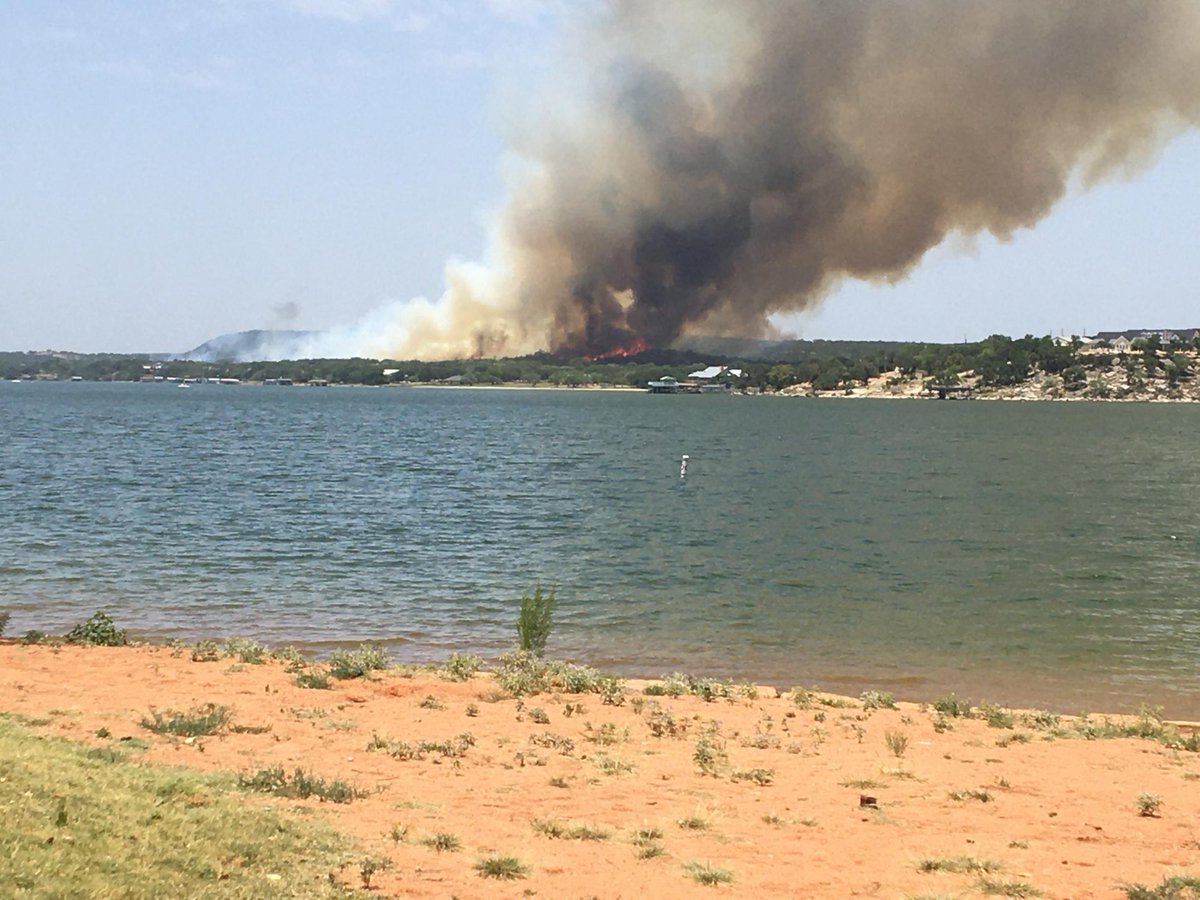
[(454, 748), (1172, 887), (992, 887), (693, 823), (75, 826), (300, 784), (504, 868), (442, 842), (959, 865), (552, 828), (980, 794), (707, 874), (316, 679), (611, 765), (761, 777), (197, 722)]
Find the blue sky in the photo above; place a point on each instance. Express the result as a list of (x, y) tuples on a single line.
[(171, 171)]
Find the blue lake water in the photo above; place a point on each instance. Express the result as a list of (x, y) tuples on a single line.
[(1038, 554)]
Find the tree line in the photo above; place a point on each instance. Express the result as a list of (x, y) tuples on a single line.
[(995, 361)]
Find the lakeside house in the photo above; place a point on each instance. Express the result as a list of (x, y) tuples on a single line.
[(1122, 341)]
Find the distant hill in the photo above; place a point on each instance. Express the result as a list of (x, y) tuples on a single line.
[(252, 346)]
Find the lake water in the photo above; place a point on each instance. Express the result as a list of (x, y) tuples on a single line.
[(1036, 554)]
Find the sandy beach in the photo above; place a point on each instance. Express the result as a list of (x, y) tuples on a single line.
[(789, 795)]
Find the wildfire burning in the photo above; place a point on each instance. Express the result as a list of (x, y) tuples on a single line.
[(710, 164), (636, 346)]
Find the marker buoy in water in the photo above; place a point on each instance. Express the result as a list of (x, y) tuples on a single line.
[(683, 466)]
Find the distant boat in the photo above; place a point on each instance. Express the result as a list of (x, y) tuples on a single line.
[(184, 384)]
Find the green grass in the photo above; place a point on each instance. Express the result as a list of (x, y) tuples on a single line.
[(959, 865), (707, 874), (992, 887), (300, 784), (982, 795), (552, 828), (196, 722), (442, 842), (506, 868), (80, 826), (1172, 887)]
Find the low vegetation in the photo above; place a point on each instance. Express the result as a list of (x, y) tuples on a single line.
[(98, 631), (200, 721), (80, 824), (505, 868), (299, 785)]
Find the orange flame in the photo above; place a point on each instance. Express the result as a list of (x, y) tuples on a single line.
[(636, 346)]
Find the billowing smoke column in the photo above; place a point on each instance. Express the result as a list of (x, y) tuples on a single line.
[(726, 161)]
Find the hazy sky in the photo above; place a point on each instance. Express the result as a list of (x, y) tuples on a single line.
[(170, 171)]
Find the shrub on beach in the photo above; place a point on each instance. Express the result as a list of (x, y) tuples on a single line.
[(99, 630), (534, 621), (3, 622), (347, 664)]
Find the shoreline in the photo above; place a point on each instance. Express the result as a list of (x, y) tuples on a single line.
[(617, 791)]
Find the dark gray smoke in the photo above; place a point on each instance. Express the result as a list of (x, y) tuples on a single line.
[(738, 159), (718, 161)]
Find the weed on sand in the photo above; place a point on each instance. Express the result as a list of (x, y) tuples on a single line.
[(78, 826), (197, 722)]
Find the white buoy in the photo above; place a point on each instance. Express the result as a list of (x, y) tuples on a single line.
[(683, 466)]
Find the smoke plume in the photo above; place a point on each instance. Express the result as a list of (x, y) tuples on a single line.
[(720, 162)]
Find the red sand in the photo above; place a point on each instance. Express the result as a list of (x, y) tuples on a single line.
[(1062, 813)]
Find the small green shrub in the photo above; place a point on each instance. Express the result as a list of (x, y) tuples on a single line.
[(369, 866), (246, 650), (316, 679), (198, 722), (534, 621), (877, 700), (710, 756), (707, 874), (693, 823), (442, 842), (3, 622), (347, 664), (953, 707), (461, 667), (429, 701), (206, 651), (897, 742), (539, 716), (99, 631), (1148, 804), (506, 868), (33, 636), (997, 716)]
